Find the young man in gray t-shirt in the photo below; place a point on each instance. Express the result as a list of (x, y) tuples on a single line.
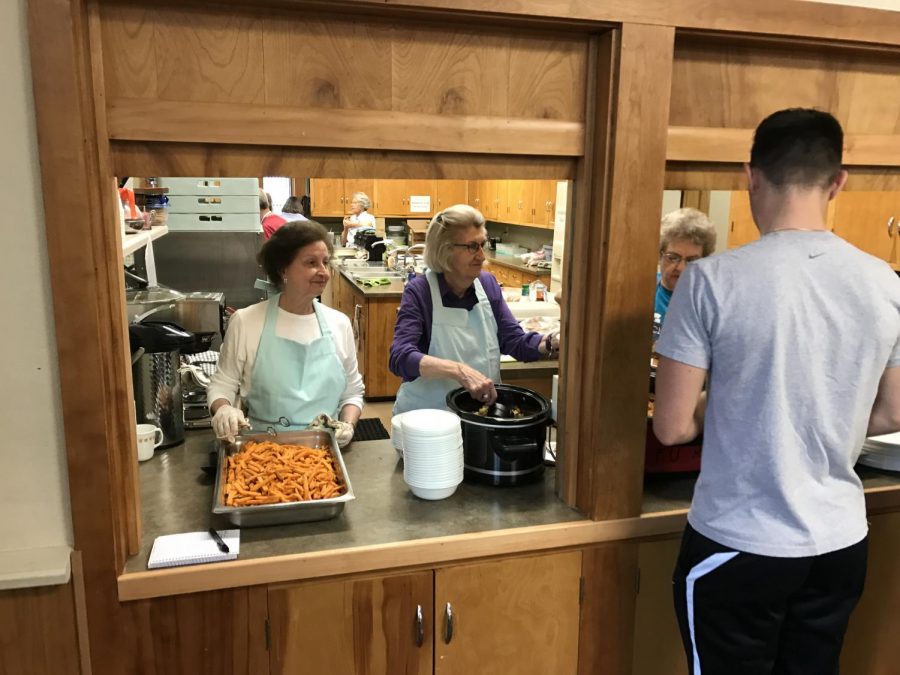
[(799, 335)]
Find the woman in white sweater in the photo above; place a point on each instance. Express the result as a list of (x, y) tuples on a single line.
[(289, 358)]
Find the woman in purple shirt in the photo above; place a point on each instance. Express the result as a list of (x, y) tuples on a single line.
[(454, 323)]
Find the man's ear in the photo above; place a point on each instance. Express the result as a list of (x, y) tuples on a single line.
[(752, 182), (838, 184)]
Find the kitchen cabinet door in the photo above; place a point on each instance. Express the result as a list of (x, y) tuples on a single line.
[(741, 228), (475, 189), (420, 188), (352, 185), (864, 219), (450, 192), (360, 626), (390, 197), (520, 201), (360, 331), (380, 316), (509, 616), (544, 203), (490, 198), (327, 197)]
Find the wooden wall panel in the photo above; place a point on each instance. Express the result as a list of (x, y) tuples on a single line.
[(37, 631), (546, 77), (130, 37), (197, 159), (699, 176), (718, 84), (450, 72), (327, 64)]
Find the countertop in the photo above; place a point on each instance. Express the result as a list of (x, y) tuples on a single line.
[(176, 496), (394, 289), (386, 528), (514, 263)]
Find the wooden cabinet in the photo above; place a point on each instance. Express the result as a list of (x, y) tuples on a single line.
[(392, 197), (510, 616), (869, 221), (450, 192), (520, 201), (373, 320), (475, 189), (369, 626), (511, 278), (544, 203), (327, 197), (332, 196), (741, 228)]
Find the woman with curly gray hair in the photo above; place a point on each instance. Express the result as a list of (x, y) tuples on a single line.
[(454, 322), (359, 218), (686, 235)]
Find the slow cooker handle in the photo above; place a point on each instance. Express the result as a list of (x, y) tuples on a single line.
[(516, 445)]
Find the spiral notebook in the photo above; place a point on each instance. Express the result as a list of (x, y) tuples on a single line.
[(192, 548)]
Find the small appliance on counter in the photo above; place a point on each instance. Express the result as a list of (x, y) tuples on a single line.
[(156, 347), (503, 444)]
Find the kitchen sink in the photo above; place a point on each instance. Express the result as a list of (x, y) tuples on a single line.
[(370, 273)]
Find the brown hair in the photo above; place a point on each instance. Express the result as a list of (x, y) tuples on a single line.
[(281, 249)]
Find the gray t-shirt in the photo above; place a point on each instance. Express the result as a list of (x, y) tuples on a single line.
[(796, 330)]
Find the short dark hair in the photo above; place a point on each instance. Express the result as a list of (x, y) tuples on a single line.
[(798, 146), (264, 201), (292, 205), (282, 247)]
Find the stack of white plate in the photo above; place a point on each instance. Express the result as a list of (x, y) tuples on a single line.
[(432, 452), (882, 452), (397, 433)]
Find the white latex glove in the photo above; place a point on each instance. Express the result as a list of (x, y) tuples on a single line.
[(228, 421), (343, 431)]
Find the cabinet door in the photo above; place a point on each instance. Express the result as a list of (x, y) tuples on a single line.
[(420, 188), (390, 197), (352, 185), (361, 330), (862, 219), (327, 196), (450, 192), (520, 201), (380, 318), (475, 194), (544, 203), (741, 228), (352, 627), (511, 616)]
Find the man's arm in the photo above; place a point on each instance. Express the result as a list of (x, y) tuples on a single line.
[(885, 416), (679, 403)]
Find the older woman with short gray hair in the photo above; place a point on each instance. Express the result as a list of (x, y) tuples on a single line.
[(359, 218), (454, 322), (686, 235)]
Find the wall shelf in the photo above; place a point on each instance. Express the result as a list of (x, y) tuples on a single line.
[(132, 242)]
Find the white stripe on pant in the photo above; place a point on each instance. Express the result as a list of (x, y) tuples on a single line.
[(702, 568)]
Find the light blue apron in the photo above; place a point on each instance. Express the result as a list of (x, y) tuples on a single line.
[(292, 383), (468, 337)]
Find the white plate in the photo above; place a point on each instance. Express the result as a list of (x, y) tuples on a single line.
[(433, 493), (429, 421), (879, 461)]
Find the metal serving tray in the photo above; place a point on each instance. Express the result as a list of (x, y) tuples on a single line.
[(289, 512)]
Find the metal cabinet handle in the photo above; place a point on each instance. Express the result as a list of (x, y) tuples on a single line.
[(890, 226), (448, 623), (420, 626)]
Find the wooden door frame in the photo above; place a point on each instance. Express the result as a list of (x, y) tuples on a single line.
[(623, 159)]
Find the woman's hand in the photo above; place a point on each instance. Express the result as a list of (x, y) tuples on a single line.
[(480, 388), (228, 421)]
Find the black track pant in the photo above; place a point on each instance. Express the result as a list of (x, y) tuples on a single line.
[(745, 614)]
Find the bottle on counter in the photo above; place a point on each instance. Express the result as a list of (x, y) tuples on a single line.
[(539, 291), (526, 291)]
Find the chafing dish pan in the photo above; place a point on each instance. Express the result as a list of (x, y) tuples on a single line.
[(288, 512)]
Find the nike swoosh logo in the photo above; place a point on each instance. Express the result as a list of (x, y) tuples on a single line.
[(816, 255)]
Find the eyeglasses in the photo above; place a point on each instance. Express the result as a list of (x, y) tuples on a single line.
[(473, 246), (674, 258)]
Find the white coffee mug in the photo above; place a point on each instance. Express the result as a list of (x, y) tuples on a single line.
[(149, 437)]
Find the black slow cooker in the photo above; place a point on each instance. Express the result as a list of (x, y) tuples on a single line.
[(503, 445)]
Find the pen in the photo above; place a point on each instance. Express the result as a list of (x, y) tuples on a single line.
[(216, 538)]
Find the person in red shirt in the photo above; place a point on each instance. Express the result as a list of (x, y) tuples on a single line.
[(270, 221)]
